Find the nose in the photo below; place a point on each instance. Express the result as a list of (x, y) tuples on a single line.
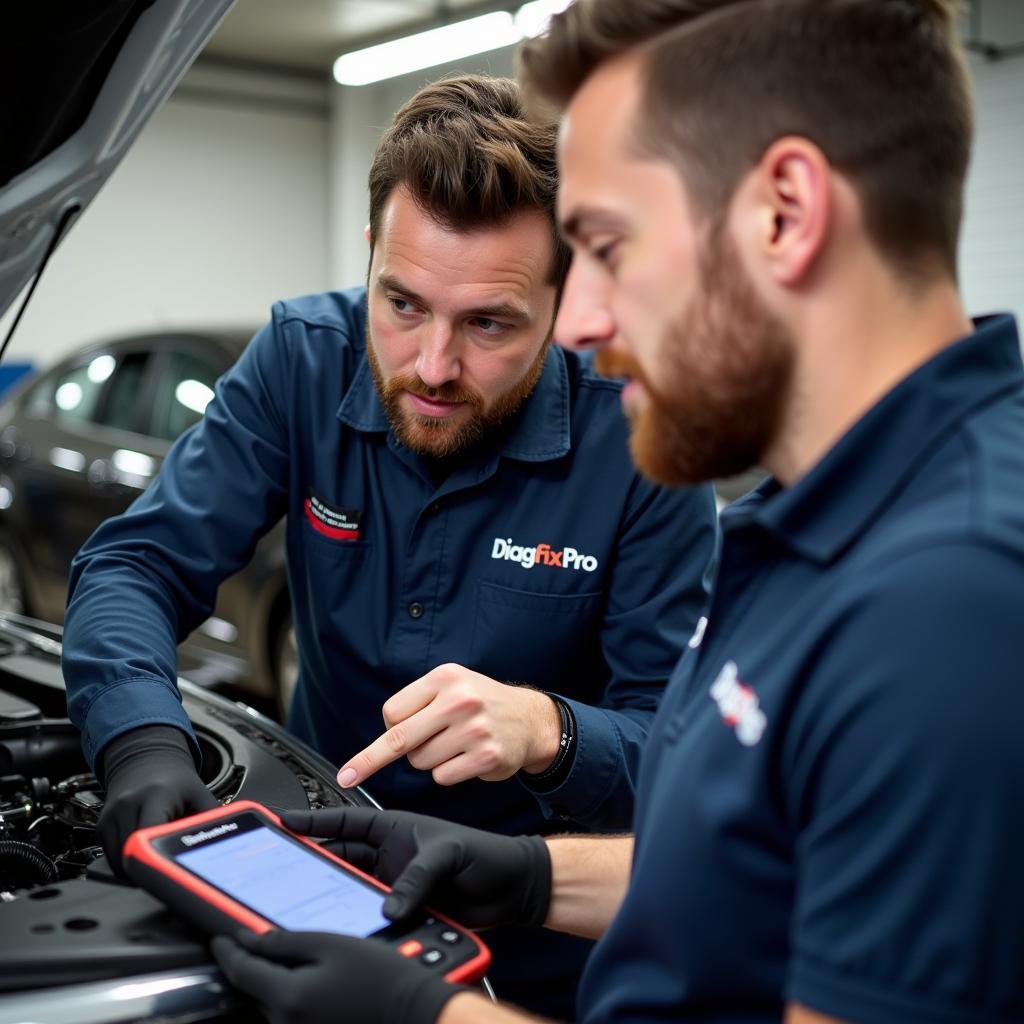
[(438, 361), (583, 319)]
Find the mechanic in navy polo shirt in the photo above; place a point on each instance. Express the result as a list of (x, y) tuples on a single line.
[(462, 517), (764, 199)]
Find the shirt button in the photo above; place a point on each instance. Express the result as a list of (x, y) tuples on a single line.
[(436, 507), (416, 609)]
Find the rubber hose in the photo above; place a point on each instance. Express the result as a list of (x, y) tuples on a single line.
[(28, 855)]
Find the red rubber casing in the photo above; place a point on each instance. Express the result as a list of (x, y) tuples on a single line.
[(217, 913)]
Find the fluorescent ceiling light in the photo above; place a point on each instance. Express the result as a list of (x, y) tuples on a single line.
[(447, 43), (425, 49)]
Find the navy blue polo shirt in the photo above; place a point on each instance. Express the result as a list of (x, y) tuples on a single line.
[(543, 559), (831, 805)]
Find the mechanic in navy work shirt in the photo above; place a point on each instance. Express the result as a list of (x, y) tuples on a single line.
[(764, 200), (462, 516)]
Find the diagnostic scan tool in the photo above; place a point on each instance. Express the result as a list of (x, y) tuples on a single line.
[(238, 866)]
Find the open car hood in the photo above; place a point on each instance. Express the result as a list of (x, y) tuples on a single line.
[(78, 81)]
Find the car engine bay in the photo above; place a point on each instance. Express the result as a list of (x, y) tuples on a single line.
[(65, 919)]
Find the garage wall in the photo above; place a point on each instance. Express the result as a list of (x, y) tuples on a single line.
[(992, 253), (219, 208)]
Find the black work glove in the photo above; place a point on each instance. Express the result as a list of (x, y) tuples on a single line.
[(320, 978), (149, 777), (480, 879)]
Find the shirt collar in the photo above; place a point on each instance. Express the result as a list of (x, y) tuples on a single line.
[(539, 431), (823, 513)]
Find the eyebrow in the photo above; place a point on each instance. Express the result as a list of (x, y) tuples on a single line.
[(497, 310), (588, 218)]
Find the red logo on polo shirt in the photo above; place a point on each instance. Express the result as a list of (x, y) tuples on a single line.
[(738, 705), (336, 523)]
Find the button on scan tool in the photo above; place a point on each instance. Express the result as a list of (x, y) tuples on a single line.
[(410, 948), (450, 936), (432, 956)]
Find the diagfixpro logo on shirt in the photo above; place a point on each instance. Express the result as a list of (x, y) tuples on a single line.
[(530, 555)]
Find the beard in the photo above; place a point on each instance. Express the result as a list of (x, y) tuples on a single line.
[(725, 372), (441, 437)]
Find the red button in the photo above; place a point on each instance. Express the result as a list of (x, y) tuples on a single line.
[(410, 948)]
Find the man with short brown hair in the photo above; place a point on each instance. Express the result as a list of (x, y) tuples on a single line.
[(470, 551), (763, 198)]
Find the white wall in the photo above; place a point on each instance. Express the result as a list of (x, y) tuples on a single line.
[(359, 114), (992, 251), (219, 209)]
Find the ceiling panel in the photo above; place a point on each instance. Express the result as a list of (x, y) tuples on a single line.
[(309, 34)]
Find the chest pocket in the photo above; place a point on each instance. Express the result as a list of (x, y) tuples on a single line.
[(551, 641), (334, 569)]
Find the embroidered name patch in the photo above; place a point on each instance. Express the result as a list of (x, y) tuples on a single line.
[(336, 523)]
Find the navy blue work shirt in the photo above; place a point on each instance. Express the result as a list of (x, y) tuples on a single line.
[(545, 559), (831, 805)]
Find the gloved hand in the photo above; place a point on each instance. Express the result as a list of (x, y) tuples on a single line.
[(149, 777), (317, 978), (480, 879)]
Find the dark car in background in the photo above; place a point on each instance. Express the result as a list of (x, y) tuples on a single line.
[(80, 442)]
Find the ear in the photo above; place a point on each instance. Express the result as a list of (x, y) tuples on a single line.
[(793, 193), (366, 233)]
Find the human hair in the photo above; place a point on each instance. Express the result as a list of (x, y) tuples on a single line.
[(471, 157), (880, 86)]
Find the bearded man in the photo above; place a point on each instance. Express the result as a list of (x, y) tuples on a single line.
[(469, 546)]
